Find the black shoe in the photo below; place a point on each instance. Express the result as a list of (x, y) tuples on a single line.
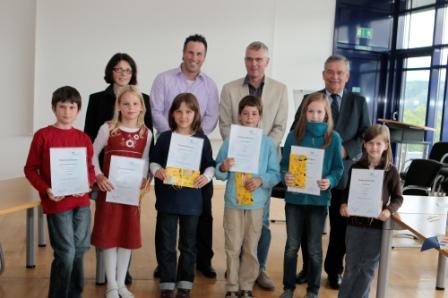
[(301, 278), (156, 273), (183, 293), (128, 279), (334, 281), (102, 283), (207, 271)]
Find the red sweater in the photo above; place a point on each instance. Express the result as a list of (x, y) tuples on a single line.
[(37, 168)]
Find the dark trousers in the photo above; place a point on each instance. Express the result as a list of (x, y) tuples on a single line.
[(363, 256), (336, 246), (300, 218), (171, 271), (204, 234)]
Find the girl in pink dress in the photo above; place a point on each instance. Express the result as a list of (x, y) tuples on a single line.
[(116, 228)]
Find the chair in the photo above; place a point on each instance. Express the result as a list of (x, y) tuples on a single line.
[(420, 179), (2, 260), (278, 191), (439, 152), (421, 176)]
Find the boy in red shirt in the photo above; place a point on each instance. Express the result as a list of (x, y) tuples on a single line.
[(68, 217)]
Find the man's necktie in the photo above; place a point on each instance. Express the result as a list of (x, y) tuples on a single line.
[(335, 107)]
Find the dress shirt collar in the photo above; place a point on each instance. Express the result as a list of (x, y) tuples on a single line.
[(330, 99), (254, 91), (247, 82), (179, 73), (328, 93)]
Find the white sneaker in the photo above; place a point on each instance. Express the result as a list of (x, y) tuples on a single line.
[(265, 282), (125, 293), (112, 293)]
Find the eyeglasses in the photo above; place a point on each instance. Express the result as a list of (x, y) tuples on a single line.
[(122, 70)]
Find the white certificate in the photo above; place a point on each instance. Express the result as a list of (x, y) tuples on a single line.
[(306, 164), (126, 175), (365, 195), (185, 152), (68, 168), (244, 147)]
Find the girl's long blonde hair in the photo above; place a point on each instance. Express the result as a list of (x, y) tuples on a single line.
[(116, 120), (300, 128)]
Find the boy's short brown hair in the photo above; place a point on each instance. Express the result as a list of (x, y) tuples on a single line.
[(66, 94), (250, 101)]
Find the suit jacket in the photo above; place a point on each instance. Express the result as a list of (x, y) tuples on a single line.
[(101, 109), (274, 100), (353, 120)]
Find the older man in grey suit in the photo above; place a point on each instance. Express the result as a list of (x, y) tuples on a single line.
[(351, 118), (274, 99)]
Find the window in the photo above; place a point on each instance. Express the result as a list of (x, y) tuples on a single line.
[(439, 104), (414, 96), (444, 16), (417, 29), (440, 56), (414, 99), (410, 4)]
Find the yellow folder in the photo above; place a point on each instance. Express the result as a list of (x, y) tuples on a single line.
[(297, 168), (180, 177), (243, 196)]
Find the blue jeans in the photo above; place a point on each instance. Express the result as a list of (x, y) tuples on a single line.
[(69, 234), (361, 260), (265, 239), (166, 250), (299, 218)]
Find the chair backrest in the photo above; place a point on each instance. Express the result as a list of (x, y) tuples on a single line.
[(279, 190), (2, 260), (439, 152), (421, 173)]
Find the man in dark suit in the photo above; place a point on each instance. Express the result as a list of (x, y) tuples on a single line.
[(351, 118)]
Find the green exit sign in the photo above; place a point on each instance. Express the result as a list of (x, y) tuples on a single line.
[(364, 32), (356, 89)]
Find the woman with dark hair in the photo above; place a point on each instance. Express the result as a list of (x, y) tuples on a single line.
[(121, 70)]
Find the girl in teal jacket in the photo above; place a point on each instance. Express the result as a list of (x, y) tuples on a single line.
[(306, 211)]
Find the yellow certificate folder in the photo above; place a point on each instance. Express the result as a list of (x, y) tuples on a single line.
[(180, 177), (184, 160), (306, 164), (243, 196), (297, 168)]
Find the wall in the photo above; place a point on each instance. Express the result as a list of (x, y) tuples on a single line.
[(303, 39), (75, 39), (17, 35)]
